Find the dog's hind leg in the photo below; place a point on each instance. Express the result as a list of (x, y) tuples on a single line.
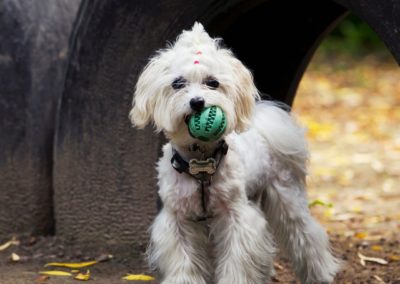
[(178, 248), (285, 202), (298, 233), (244, 248)]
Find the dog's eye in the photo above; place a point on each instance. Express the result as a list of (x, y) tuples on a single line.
[(212, 83), (178, 83)]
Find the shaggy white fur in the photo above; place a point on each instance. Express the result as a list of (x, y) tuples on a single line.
[(257, 196)]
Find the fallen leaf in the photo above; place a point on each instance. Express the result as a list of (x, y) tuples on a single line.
[(319, 202), (343, 217), (329, 213), (380, 280), (373, 238), (104, 257), (364, 258), (360, 235), (12, 242), (71, 264), (377, 248), (42, 279), (320, 131), (83, 276), (138, 277), (357, 209), (15, 257), (55, 273), (394, 257)]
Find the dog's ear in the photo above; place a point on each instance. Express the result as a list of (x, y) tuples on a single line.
[(245, 95), (145, 96)]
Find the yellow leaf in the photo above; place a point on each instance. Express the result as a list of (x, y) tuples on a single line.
[(394, 257), (376, 248), (320, 131), (71, 265), (55, 273), (329, 212), (360, 235), (83, 276), (357, 209), (138, 277), (319, 202)]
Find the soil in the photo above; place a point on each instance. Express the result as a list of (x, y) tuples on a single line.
[(35, 256)]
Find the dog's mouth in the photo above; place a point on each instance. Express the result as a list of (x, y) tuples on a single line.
[(186, 118)]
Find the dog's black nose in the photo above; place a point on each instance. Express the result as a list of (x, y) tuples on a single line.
[(197, 103)]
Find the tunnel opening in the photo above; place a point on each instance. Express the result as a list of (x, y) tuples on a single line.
[(276, 40), (349, 102)]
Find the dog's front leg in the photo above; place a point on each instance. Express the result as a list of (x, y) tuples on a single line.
[(178, 249), (244, 247)]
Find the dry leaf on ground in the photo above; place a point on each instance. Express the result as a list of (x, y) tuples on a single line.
[(71, 264), (138, 277), (364, 258), (12, 242), (83, 276), (42, 279), (15, 257), (55, 273)]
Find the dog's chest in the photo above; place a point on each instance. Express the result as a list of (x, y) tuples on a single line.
[(235, 179), (205, 200), (198, 202)]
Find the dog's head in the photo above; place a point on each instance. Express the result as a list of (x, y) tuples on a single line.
[(193, 73)]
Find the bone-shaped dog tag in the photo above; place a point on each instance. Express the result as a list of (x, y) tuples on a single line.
[(202, 166)]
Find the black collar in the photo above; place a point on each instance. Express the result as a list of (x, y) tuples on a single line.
[(201, 170)]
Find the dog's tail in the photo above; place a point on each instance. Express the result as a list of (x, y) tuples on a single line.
[(283, 135)]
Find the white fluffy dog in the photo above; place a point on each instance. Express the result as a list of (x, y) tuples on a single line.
[(223, 228)]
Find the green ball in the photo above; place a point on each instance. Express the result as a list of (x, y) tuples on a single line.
[(207, 125)]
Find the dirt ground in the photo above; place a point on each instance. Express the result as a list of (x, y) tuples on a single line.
[(351, 109), (34, 257), (26, 271)]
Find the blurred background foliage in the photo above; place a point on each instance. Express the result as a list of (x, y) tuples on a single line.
[(352, 38)]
